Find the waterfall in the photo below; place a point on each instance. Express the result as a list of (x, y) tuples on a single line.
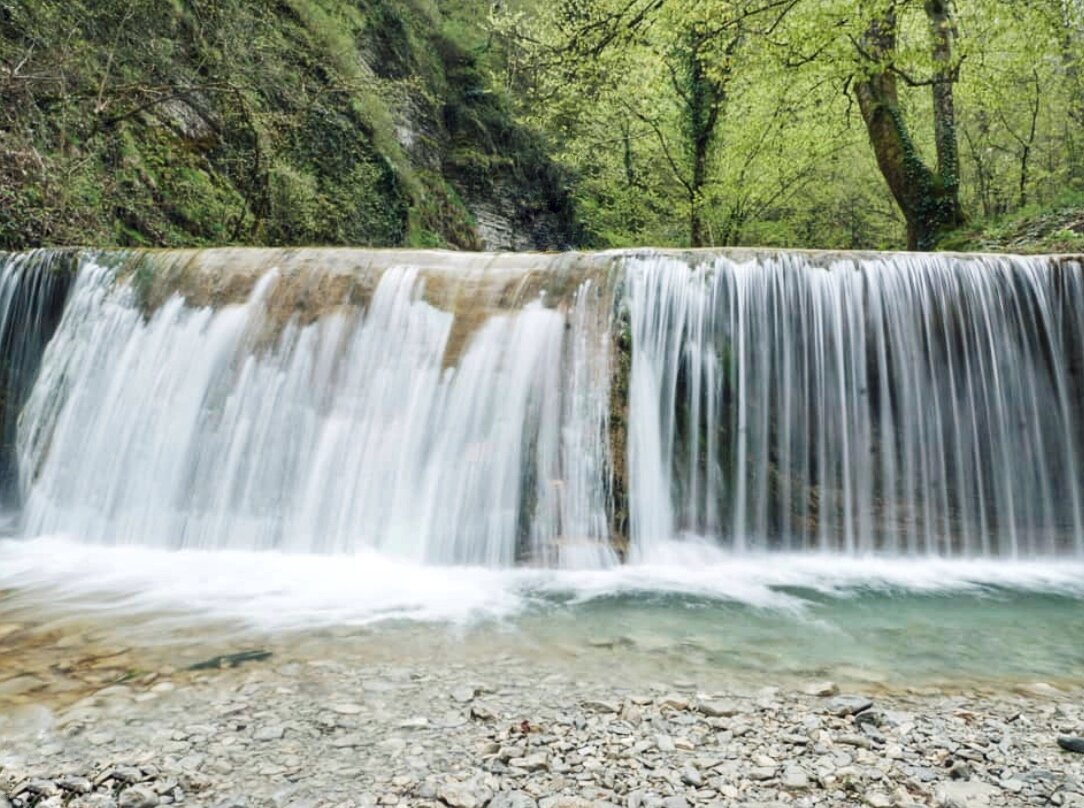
[(919, 405), (504, 410), (33, 287)]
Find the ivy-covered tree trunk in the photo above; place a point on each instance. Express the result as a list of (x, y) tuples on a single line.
[(929, 199), (703, 97)]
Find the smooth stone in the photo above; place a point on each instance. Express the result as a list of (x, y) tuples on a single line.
[(719, 709), (965, 794), (675, 802), (460, 795), (464, 694), (1071, 744), (138, 797), (849, 705), (513, 799), (853, 740), (674, 701), (691, 777), (795, 778), (531, 763), (76, 785), (347, 709), (41, 788), (601, 706), (482, 712), (821, 689), (878, 799), (664, 743), (272, 733), (97, 800)]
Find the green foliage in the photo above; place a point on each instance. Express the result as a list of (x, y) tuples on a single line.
[(622, 87), (200, 122), (1054, 228)]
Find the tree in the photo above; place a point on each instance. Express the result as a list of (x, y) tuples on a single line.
[(929, 198)]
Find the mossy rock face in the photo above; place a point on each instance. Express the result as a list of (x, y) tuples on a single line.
[(209, 122)]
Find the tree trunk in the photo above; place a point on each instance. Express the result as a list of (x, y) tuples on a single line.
[(700, 126), (928, 199), (944, 108)]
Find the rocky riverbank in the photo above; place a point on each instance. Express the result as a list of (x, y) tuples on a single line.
[(506, 733)]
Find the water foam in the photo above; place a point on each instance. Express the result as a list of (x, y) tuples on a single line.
[(274, 590)]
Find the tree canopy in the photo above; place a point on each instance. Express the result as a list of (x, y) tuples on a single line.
[(818, 123)]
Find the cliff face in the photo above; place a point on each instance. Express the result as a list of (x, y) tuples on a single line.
[(197, 122)]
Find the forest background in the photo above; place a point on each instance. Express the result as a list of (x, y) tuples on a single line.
[(544, 124)]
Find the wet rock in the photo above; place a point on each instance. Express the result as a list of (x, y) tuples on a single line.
[(848, 705), (821, 689), (1071, 744), (230, 660)]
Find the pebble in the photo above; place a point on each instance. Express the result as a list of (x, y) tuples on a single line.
[(513, 799), (821, 689), (719, 709), (795, 778), (1071, 744), (600, 706), (674, 702), (849, 705), (965, 794), (286, 738), (138, 797), (691, 777)]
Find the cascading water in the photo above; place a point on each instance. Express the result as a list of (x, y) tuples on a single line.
[(33, 287), (338, 428), (920, 405), (472, 409)]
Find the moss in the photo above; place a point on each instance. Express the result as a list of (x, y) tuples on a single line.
[(618, 433), (367, 122)]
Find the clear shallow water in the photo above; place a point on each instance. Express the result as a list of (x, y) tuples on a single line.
[(689, 613)]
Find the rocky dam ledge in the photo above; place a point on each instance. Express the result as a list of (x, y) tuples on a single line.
[(504, 734)]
